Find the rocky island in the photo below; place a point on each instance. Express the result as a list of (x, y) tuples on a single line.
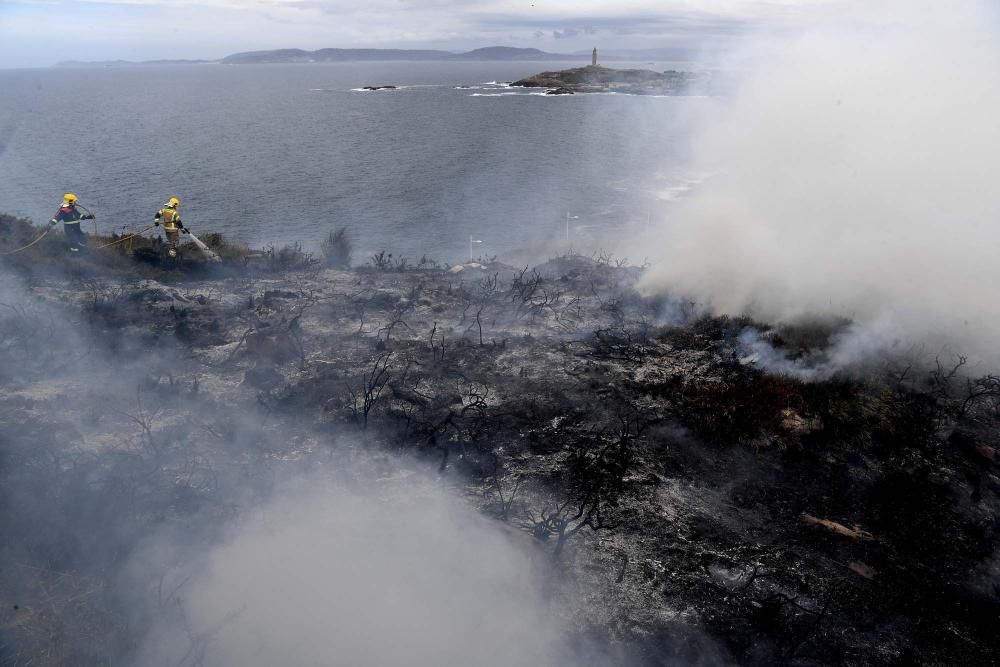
[(599, 79)]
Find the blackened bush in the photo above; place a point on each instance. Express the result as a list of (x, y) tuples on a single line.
[(808, 335), (337, 248), (742, 407), (705, 331)]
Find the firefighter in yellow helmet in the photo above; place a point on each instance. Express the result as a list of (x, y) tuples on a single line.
[(70, 216), (170, 217)]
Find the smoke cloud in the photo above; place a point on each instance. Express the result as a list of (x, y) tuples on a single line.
[(853, 173), (397, 573), (228, 555)]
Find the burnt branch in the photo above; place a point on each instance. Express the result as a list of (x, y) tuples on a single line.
[(365, 397)]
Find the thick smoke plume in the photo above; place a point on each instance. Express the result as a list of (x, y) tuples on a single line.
[(854, 174), (393, 574)]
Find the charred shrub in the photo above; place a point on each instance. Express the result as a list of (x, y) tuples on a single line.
[(16, 232), (705, 331), (722, 327), (743, 407), (903, 419), (286, 258), (227, 250), (839, 405), (800, 338), (384, 261), (337, 248)]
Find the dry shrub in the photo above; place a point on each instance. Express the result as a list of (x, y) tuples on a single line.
[(227, 250), (337, 248), (800, 338), (743, 407)]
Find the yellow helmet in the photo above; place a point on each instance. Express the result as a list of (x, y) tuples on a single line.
[(174, 202), (69, 199)]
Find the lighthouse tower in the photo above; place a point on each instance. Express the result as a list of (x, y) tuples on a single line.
[(593, 58)]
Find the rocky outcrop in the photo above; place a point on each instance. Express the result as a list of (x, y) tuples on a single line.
[(595, 78), (540, 81)]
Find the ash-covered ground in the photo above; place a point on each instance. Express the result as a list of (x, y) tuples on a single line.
[(643, 492)]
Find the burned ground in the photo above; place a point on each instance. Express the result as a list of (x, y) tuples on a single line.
[(694, 507)]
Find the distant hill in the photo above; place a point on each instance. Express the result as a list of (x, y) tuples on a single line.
[(348, 55), (273, 56), (332, 55), (510, 53), (128, 63)]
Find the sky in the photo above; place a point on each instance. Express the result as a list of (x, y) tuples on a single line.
[(38, 33)]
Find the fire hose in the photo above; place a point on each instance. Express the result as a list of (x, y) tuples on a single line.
[(126, 238), (49, 229), (201, 246), (92, 216), (14, 252)]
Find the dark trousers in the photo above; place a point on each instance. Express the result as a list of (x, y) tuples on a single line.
[(77, 239), (173, 239)]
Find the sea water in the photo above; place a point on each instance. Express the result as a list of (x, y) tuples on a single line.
[(275, 154)]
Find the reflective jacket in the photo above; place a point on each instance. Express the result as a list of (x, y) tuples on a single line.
[(171, 219), (68, 214)]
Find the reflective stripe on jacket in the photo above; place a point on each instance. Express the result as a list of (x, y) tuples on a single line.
[(170, 218), (69, 215)]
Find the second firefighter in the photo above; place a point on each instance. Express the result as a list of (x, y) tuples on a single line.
[(170, 217)]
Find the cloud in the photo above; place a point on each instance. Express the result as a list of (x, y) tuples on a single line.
[(135, 29)]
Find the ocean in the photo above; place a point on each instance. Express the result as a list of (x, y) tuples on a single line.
[(276, 154)]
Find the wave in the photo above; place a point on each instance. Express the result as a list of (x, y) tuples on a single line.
[(518, 94), (677, 191), (670, 95)]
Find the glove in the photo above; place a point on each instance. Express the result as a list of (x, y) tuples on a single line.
[(156, 223), (89, 216), (184, 230), (52, 222)]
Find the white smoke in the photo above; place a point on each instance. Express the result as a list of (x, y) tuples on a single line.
[(855, 171), (394, 574)]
